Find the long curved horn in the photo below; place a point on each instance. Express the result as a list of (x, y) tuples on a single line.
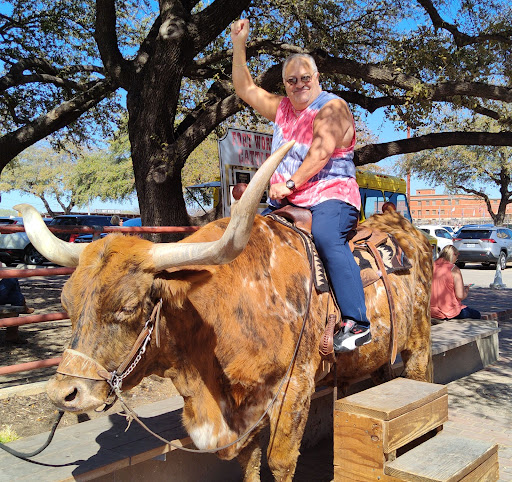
[(234, 239), (51, 247)]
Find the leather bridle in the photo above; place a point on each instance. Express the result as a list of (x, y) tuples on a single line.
[(91, 369)]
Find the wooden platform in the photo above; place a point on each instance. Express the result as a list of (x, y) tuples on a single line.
[(462, 347), (393, 432)]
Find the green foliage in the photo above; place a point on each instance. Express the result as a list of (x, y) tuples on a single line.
[(202, 166), (72, 177), (43, 172), (470, 169), (473, 167), (106, 174), (55, 40), (8, 434), (398, 52)]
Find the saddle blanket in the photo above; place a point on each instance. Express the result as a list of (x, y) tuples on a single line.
[(392, 255)]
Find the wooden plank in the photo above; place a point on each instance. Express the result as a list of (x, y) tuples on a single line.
[(488, 471), (391, 399), (449, 336), (342, 475), (411, 425), (442, 458), (358, 453)]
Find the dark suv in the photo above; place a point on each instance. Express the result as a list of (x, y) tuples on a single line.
[(78, 220)]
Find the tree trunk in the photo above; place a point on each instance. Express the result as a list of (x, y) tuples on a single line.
[(151, 102)]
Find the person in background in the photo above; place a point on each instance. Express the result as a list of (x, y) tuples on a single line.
[(318, 172), (10, 294), (115, 220), (388, 206), (448, 289)]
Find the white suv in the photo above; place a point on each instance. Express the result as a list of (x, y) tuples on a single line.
[(16, 247), (443, 236)]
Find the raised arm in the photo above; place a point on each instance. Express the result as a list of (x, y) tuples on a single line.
[(259, 99)]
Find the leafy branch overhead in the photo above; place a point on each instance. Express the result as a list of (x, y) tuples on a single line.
[(470, 169), (68, 66)]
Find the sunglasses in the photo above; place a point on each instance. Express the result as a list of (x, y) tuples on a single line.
[(305, 79)]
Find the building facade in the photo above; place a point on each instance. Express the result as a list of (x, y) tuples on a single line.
[(427, 207)]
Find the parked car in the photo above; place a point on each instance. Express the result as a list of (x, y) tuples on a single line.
[(16, 247), (79, 220), (87, 238), (484, 244), (135, 222), (442, 235)]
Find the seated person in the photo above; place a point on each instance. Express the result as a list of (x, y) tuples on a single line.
[(10, 294), (448, 289)]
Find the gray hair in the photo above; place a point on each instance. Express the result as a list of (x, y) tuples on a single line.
[(296, 56)]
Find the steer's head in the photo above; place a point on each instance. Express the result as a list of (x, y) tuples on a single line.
[(108, 298), (115, 288)]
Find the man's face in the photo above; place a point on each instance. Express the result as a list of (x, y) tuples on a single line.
[(301, 83)]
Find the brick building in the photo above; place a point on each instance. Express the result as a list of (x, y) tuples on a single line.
[(427, 207)]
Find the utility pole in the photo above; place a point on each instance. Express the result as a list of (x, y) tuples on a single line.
[(408, 189)]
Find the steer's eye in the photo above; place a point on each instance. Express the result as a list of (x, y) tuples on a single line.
[(124, 313), (129, 310)]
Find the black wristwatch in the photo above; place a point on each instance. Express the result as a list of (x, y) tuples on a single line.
[(290, 184)]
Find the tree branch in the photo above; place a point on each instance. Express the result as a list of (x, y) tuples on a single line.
[(15, 142), (211, 21), (105, 35), (374, 74), (461, 38), (377, 152), (481, 194)]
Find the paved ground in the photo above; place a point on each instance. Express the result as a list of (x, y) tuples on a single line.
[(495, 304), (480, 405)]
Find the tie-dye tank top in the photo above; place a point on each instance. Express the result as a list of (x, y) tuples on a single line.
[(336, 180)]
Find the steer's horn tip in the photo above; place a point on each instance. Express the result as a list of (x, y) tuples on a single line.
[(25, 208)]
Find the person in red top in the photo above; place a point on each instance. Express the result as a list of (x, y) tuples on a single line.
[(448, 289)]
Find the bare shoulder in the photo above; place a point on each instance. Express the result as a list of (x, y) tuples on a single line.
[(335, 108), (335, 118)]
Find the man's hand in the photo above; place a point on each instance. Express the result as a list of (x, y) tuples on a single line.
[(279, 191), (240, 32)]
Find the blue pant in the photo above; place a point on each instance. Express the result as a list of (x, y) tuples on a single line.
[(468, 313), (332, 221), (10, 292)]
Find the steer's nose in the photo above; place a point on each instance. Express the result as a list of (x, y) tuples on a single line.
[(74, 394)]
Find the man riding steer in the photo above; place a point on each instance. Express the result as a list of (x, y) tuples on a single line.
[(317, 173)]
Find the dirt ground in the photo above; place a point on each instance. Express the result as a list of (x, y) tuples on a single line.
[(32, 414)]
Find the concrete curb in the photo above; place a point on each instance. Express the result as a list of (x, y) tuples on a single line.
[(23, 390)]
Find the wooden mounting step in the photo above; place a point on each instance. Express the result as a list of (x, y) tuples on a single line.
[(384, 433), (448, 459)]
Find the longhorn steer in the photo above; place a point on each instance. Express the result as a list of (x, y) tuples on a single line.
[(227, 331)]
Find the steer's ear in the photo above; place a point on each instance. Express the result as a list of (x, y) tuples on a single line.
[(173, 286)]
